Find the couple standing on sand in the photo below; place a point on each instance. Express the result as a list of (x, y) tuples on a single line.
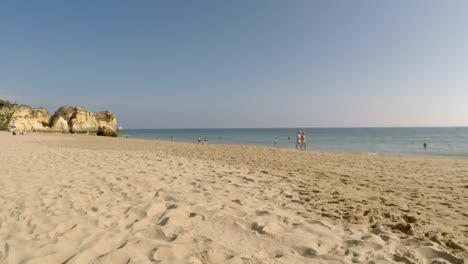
[(301, 141)]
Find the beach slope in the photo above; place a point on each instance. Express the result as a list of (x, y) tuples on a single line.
[(86, 199)]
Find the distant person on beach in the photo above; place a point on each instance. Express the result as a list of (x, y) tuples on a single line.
[(303, 141), (425, 146), (199, 139), (289, 138), (298, 140), (276, 140), (206, 140)]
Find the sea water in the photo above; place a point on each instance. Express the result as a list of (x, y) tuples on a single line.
[(441, 141)]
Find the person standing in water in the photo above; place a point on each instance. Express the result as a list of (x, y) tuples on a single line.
[(303, 141), (298, 140), (425, 146)]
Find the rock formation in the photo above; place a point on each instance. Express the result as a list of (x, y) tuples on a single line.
[(74, 119), (106, 120), (41, 115), (66, 119), (59, 124), (104, 131), (83, 121), (24, 118)]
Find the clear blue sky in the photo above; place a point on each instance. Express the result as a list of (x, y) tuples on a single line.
[(171, 64)]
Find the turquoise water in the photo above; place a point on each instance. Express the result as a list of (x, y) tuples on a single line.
[(441, 141)]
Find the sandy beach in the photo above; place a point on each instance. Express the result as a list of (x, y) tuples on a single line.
[(87, 199)]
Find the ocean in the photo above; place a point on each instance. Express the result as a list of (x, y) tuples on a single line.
[(441, 141)]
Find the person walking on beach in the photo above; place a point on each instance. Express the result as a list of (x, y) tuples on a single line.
[(206, 140), (298, 140), (303, 141)]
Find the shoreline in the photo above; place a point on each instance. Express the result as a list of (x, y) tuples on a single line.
[(437, 156), (444, 141), (382, 154)]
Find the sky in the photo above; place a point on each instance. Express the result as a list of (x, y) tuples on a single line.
[(243, 63)]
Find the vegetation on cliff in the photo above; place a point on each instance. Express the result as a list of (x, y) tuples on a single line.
[(4, 103)]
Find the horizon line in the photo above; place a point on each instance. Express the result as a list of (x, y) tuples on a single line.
[(299, 127)]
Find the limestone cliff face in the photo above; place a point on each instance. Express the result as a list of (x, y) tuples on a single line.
[(59, 121), (66, 119), (82, 121), (42, 116), (106, 119), (24, 118), (60, 125)]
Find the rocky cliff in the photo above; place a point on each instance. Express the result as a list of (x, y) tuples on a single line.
[(106, 119), (74, 119), (66, 119), (24, 118)]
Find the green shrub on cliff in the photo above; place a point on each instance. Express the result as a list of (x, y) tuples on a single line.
[(4, 103)]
